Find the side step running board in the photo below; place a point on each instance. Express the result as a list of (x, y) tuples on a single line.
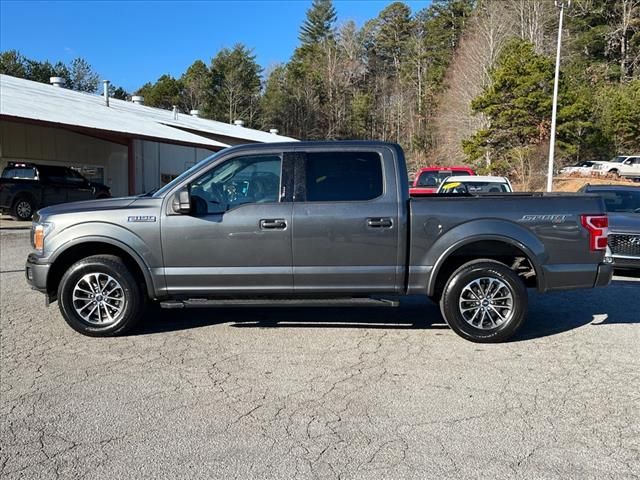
[(285, 302)]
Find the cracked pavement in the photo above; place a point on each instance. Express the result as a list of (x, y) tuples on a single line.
[(320, 393)]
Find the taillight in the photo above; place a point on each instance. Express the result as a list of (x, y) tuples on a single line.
[(598, 228)]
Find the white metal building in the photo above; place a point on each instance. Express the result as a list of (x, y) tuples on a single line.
[(130, 147)]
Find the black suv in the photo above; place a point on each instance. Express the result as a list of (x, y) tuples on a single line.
[(26, 187)]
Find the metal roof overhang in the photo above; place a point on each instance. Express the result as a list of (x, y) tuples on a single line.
[(122, 138), (37, 102)]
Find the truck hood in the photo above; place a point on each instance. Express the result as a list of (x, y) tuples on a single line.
[(88, 205), (624, 222)]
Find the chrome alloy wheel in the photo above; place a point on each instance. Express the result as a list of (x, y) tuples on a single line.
[(99, 299), (486, 303), (23, 209)]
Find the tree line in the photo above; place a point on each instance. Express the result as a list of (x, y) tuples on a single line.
[(460, 81), (78, 74)]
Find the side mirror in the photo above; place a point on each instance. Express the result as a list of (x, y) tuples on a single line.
[(182, 201)]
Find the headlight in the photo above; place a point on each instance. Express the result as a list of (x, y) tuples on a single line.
[(40, 231)]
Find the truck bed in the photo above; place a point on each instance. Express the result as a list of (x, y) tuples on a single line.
[(545, 226)]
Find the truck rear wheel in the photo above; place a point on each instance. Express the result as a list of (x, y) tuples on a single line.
[(99, 297), (484, 301)]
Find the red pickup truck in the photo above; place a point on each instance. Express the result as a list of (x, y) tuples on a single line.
[(429, 179)]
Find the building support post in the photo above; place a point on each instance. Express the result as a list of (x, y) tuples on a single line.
[(131, 163)]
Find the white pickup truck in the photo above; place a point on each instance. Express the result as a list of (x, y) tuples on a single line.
[(623, 166)]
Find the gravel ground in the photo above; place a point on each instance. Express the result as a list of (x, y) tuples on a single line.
[(320, 393)]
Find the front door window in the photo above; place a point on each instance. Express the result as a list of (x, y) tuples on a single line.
[(242, 180)]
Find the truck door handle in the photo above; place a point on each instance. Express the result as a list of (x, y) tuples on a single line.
[(379, 222), (273, 224)]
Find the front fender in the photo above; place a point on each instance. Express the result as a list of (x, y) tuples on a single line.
[(483, 230), (111, 234)]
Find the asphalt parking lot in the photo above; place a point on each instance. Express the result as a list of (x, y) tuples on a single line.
[(320, 393)]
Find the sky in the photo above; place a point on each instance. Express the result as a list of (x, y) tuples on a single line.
[(130, 43)]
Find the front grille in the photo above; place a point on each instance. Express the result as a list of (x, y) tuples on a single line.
[(624, 244)]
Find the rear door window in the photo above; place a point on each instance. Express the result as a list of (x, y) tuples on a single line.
[(53, 174), (343, 176)]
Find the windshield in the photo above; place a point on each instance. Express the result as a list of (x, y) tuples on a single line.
[(434, 178), (185, 174), (475, 187), (621, 201)]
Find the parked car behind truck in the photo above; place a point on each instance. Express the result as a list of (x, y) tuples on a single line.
[(475, 184), (623, 208), (428, 179), (627, 166), (341, 229), (25, 187)]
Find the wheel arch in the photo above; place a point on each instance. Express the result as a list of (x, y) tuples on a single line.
[(25, 194), (89, 246), (489, 246)]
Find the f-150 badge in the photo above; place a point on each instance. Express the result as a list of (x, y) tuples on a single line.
[(142, 218)]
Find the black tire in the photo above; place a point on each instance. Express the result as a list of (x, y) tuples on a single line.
[(490, 332), (23, 208), (614, 172), (130, 292)]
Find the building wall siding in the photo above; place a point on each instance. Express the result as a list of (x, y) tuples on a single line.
[(157, 163), (57, 146)]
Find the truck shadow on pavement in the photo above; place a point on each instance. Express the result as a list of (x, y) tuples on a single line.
[(556, 312), (549, 314)]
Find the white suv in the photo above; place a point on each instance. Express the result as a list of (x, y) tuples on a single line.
[(623, 166)]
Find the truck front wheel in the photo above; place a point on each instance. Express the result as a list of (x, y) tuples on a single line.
[(99, 297), (484, 301)]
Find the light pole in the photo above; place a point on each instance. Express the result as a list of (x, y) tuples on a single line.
[(554, 109)]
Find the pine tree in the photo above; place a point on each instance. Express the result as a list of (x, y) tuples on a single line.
[(319, 24), (165, 93), (82, 77), (235, 85), (517, 103), (197, 86), (13, 63)]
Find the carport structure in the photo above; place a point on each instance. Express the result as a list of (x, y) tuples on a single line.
[(131, 147)]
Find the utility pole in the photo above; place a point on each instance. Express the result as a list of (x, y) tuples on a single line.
[(554, 111)]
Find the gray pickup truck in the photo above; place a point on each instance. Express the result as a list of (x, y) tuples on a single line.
[(327, 223)]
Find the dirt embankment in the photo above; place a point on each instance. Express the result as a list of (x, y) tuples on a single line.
[(574, 183)]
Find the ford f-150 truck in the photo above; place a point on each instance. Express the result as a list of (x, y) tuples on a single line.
[(327, 223)]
